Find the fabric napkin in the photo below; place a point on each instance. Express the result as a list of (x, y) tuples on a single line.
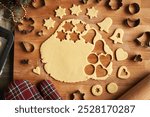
[(24, 90)]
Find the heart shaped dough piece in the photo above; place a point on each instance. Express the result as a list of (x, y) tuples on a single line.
[(123, 72), (37, 70), (121, 54)]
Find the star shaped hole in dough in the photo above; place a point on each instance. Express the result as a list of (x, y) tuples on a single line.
[(61, 35), (75, 10), (74, 37), (49, 23), (68, 26), (81, 27), (60, 12), (92, 12)]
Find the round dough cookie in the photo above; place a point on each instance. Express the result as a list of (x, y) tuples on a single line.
[(112, 88), (97, 90)]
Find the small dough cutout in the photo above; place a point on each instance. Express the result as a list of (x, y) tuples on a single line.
[(37, 70), (60, 12), (118, 36), (105, 24), (123, 72), (92, 13), (97, 90), (49, 23), (75, 10), (121, 54), (112, 88)]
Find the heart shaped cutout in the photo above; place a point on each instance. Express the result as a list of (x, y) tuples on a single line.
[(123, 73), (37, 70), (100, 71), (121, 54), (105, 60)]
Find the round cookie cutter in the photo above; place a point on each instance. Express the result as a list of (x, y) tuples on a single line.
[(133, 8)]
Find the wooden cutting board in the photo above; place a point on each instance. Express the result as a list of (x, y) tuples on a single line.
[(137, 70)]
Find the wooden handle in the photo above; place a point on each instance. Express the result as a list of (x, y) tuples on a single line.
[(140, 91)]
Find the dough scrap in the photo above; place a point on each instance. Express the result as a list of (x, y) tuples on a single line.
[(112, 88), (123, 69), (97, 90), (65, 60), (118, 36), (75, 10), (105, 24), (92, 12), (49, 23), (37, 70), (60, 12), (121, 54)]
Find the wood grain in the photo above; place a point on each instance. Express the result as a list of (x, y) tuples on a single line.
[(138, 70)]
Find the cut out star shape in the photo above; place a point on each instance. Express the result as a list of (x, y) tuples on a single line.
[(49, 23), (92, 12), (60, 12), (75, 10)]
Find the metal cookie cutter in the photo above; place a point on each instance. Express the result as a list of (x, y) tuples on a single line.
[(5, 47)]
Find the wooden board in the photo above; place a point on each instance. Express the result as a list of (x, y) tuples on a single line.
[(138, 70)]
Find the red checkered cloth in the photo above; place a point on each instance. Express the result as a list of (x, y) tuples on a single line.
[(22, 90), (48, 90)]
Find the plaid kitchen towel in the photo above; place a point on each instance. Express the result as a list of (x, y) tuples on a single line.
[(48, 91), (22, 90)]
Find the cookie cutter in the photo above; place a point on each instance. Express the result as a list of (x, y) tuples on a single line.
[(84, 1), (28, 47), (144, 39), (30, 26), (115, 4), (8, 35), (77, 95), (137, 58), (133, 8), (132, 22), (38, 3)]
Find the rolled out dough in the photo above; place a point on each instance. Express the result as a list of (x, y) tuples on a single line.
[(65, 60)]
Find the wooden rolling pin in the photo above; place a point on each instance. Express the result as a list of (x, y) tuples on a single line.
[(141, 91)]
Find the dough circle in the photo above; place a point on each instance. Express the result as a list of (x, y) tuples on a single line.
[(97, 90), (112, 88)]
